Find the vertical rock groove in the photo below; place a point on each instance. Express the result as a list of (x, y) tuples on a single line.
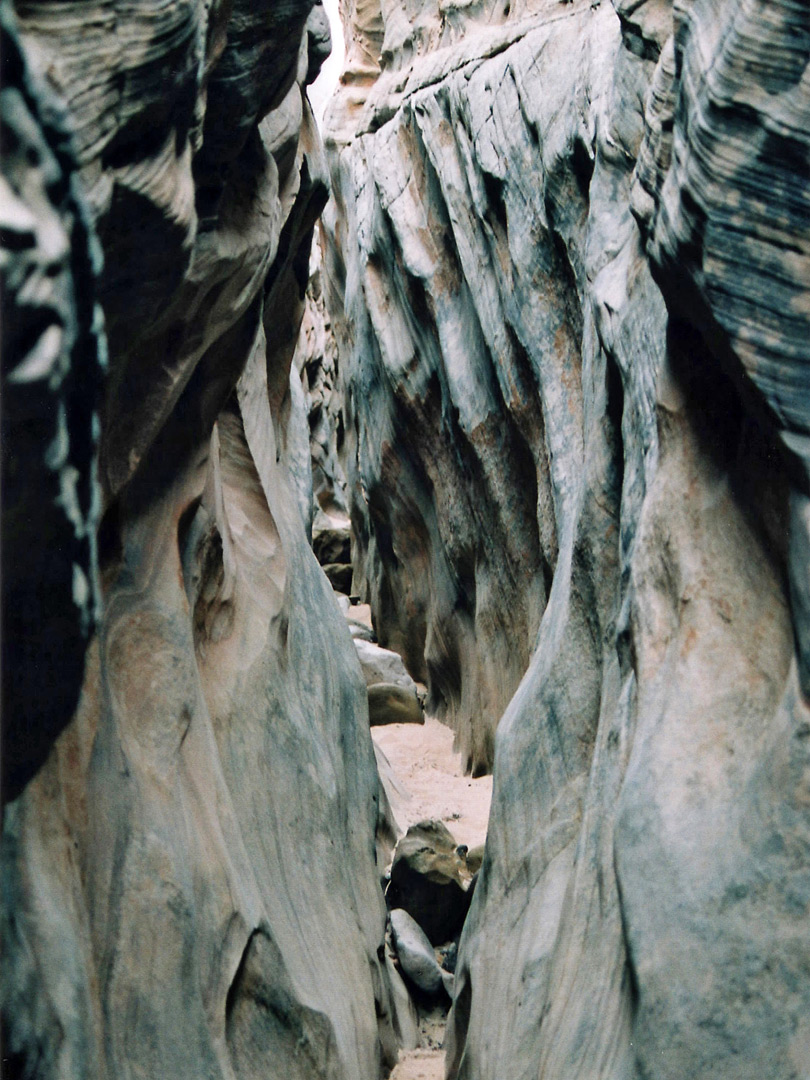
[(568, 265), (189, 879)]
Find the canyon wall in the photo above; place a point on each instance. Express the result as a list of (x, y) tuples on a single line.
[(568, 266), (189, 884)]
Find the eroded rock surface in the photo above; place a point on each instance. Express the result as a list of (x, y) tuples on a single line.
[(569, 268), (316, 362), (189, 887)]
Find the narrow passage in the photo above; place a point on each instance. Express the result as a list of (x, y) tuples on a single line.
[(429, 855), (433, 786)]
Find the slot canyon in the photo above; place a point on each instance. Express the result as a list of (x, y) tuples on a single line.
[(363, 461)]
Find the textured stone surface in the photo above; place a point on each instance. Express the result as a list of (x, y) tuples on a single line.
[(52, 364), (317, 365), (429, 881), (415, 953), (189, 886), (381, 665), (568, 273)]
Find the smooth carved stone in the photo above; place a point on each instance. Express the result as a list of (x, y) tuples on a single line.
[(567, 265), (176, 899), (415, 952), (52, 359), (427, 880), (392, 704), (405, 1016), (316, 362), (382, 665)]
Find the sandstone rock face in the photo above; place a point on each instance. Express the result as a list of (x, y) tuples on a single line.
[(52, 365), (571, 242), (189, 887), (317, 365)]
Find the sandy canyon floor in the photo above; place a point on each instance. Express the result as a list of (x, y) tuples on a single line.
[(433, 785)]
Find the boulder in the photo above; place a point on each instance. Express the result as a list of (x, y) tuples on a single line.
[(390, 704), (475, 858), (428, 881), (344, 603), (331, 544), (382, 665), (339, 575), (415, 952)]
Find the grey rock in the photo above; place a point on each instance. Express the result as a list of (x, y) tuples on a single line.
[(405, 1016), (176, 899), (331, 544), (415, 953), (429, 882), (392, 704), (52, 358), (382, 665), (361, 632), (567, 265), (388, 831), (343, 602)]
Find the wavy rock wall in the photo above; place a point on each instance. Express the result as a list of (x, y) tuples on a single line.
[(189, 886), (316, 362), (569, 269)]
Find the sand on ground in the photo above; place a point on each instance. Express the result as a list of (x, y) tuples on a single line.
[(432, 785), (430, 772)]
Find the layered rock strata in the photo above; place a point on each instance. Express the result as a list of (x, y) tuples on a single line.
[(569, 269), (189, 886)]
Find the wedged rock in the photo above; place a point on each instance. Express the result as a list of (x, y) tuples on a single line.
[(415, 952), (339, 576), (382, 665), (428, 881), (448, 956), (332, 544), (344, 603), (392, 704)]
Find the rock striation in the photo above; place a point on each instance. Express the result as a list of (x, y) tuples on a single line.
[(189, 881), (568, 266), (316, 362)]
